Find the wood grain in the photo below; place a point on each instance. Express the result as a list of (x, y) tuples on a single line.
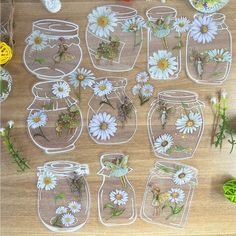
[(210, 213)]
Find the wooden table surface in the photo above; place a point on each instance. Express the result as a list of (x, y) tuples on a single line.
[(210, 213)]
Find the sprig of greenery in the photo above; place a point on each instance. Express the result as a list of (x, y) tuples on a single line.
[(115, 210), (6, 139)]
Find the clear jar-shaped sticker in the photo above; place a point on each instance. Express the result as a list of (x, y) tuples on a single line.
[(164, 54), (168, 194), (55, 120), (209, 49), (175, 124), (114, 37), (53, 49), (112, 117), (63, 195), (116, 196)]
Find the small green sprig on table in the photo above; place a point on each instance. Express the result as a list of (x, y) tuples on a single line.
[(5, 133), (221, 126)]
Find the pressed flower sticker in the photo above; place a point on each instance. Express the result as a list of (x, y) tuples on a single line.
[(75, 207), (68, 219), (38, 41), (163, 143), (61, 89), (183, 176), (177, 195), (219, 55), (102, 21), (47, 181), (61, 210)]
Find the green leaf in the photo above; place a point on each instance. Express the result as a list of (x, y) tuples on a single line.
[(40, 60), (118, 212), (109, 205), (59, 196), (177, 210), (3, 86)]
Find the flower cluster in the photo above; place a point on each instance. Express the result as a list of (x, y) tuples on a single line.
[(143, 89)]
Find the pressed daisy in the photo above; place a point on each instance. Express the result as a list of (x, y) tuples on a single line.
[(38, 41), (75, 207), (102, 88), (118, 197), (102, 21), (183, 176), (203, 29), (61, 89), (133, 25), (61, 210), (103, 126), (47, 181), (177, 195), (163, 143), (147, 90), (181, 25), (82, 77), (68, 219), (188, 124), (37, 119), (219, 55), (162, 65), (10, 123), (142, 77), (136, 89)]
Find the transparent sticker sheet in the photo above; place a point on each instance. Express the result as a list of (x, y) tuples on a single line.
[(175, 124), (116, 196), (168, 194), (63, 195), (53, 49), (114, 37), (209, 49), (112, 117), (55, 120)]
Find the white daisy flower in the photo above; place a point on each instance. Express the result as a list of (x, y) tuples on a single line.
[(163, 143), (183, 176), (103, 87), (38, 41), (133, 25), (142, 77), (147, 90), (213, 100), (177, 195), (82, 77), (37, 119), (61, 89), (102, 21), (162, 65), (203, 29), (47, 181), (10, 123), (118, 197), (2, 131), (103, 126), (219, 55), (68, 219), (181, 25), (75, 207), (61, 210), (136, 89), (188, 124)]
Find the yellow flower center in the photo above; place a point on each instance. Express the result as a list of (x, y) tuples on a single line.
[(118, 197), (218, 57), (181, 25), (133, 27), (37, 119), (60, 89), (204, 29), (164, 143), (103, 126), (80, 77), (37, 40), (102, 21), (175, 195), (102, 87), (163, 64), (68, 219), (47, 180), (147, 90), (182, 175), (190, 123)]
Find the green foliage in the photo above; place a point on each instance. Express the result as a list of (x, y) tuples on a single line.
[(3, 87), (59, 196), (40, 60), (229, 188)]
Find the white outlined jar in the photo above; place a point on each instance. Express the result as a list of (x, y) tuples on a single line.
[(212, 72), (63, 195), (53, 49), (168, 43), (175, 124), (130, 42), (115, 193), (124, 131), (47, 137)]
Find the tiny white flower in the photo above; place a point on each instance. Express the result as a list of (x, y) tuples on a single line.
[(75, 207), (37, 119), (10, 123), (142, 77), (133, 25), (47, 181), (183, 176), (61, 210), (177, 195), (163, 143), (68, 219), (136, 89), (147, 90), (103, 87), (38, 41), (223, 94), (61, 89), (213, 100), (2, 131), (119, 197), (219, 55), (181, 25)]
